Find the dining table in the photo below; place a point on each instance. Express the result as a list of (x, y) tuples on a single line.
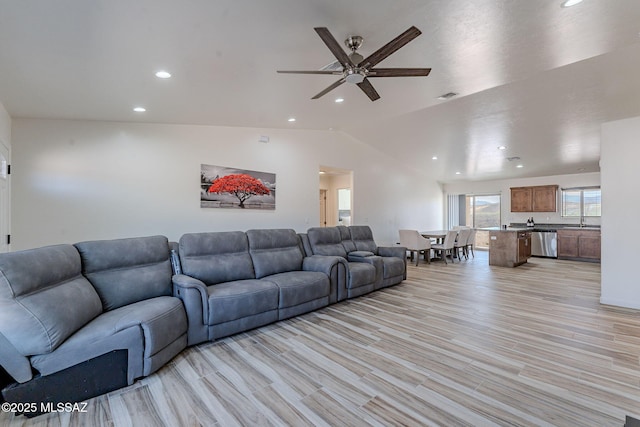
[(439, 235)]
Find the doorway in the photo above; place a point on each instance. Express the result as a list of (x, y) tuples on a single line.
[(336, 196), (5, 199), (323, 208)]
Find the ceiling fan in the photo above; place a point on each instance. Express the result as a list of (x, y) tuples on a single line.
[(357, 69)]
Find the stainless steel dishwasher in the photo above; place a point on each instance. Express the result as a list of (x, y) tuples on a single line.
[(544, 244)]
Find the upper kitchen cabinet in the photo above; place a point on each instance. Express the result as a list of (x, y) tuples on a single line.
[(541, 198), (521, 199)]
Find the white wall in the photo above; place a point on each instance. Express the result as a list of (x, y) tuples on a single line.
[(503, 187), (5, 126), (82, 180), (620, 207), (5, 184)]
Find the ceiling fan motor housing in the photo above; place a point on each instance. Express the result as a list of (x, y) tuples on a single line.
[(354, 75)]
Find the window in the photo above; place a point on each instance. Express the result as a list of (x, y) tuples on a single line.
[(482, 211), (581, 202)]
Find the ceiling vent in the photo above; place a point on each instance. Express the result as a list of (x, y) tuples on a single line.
[(513, 159), (447, 96)]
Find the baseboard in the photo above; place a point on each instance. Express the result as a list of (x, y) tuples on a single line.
[(620, 303)]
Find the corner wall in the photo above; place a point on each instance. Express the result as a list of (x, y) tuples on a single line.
[(83, 180), (620, 208)]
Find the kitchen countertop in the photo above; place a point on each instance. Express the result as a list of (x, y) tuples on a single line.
[(581, 228), (508, 229), (552, 227)]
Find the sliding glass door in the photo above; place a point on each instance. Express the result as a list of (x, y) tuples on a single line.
[(482, 211)]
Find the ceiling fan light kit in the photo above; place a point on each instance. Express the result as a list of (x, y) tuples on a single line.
[(356, 69)]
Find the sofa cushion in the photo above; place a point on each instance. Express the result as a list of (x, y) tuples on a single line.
[(298, 287), (125, 271), (234, 300), (44, 298), (345, 236), (144, 328), (326, 241), (361, 274), (216, 257), (274, 251), (362, 237)]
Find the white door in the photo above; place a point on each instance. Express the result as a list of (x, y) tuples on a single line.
[(5, 200)]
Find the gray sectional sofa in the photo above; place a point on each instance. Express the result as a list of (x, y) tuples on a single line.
[(86, 311), (370, 267), (235, 281)]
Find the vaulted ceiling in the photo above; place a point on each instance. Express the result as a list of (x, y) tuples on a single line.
[(532, 76)]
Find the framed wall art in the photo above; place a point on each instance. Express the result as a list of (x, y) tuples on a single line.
[(225, 187)]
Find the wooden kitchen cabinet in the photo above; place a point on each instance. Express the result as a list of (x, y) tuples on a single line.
[(579, 244), (521, 199), (544, 198), (524, 247), (540, 198)]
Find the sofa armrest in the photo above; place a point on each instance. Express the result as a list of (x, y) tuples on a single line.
[(14, 363), (195, 298), (394, 251), (335, 267)]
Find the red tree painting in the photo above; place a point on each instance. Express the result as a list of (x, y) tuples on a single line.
[(241, 185)]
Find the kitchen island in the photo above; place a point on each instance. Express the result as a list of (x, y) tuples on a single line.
[(509, 247)]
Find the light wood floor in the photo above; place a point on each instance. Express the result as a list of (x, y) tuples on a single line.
[(457, 345)]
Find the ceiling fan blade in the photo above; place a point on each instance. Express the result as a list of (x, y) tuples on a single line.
[(337, 73), (367, 88), (391, 47), (399, 72), (334, 47), (329, 89)]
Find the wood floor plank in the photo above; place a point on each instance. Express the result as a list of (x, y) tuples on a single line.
[(455, 345)]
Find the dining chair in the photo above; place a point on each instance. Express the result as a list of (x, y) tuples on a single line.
[(414, 242), (460, 245), (446, 247), (471, 242)]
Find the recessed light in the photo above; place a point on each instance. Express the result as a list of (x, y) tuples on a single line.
[(339, 100), (434, 158), (569, 3), (163, 74), (519, 166), (502, 147), (139, 109), (458, 173), (322, 172), (292, 119)]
